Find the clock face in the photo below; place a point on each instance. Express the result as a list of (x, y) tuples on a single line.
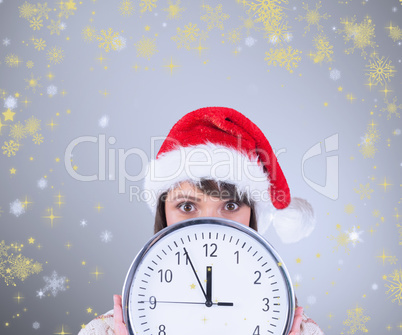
[(208, 276)]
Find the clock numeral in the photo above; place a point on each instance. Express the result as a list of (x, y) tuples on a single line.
[(266, 307), (257, 330), (162, 330), (213, 247), (152, 301), (178, 257), (166, 276), (257, 281), (237, 257)]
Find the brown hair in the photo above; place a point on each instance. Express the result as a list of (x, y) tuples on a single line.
[(210, 187)]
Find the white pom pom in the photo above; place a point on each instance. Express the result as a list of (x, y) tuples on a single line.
[(294, 222)]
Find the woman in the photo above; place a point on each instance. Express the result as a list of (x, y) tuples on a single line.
[(217, 163)]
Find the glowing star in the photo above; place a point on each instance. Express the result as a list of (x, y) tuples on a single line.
[(214, 17), (42, 183), (354, 236), (51, 90), (106, 236), (356, 320), (146, 47), (288, 58), (174, 9), (313, 17), (103, 122), (10, 102), (391, 108)]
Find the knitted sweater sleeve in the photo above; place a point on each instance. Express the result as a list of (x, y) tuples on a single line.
[(104, 325)]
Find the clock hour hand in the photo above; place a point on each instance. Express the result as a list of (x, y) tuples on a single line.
[(195, 273), (208, 303)]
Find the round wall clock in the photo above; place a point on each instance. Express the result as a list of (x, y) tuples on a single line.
[(208, 276)]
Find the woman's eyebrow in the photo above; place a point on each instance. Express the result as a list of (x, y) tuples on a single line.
[(186, 197)]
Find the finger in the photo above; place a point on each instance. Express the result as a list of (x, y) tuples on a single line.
[(120, 328), (297, 321)]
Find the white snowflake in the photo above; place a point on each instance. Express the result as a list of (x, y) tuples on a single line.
[(51, 90), (17, 208), (6, 41), (250, 41), (397, 132), (42, 183), (40, 294), (103, 121), (106, 236), (394, 9), (10, 102), (54, 284), (62, 26), (120, 42), (83, 223), (374, 287), (335, 74), (164, 24), (311, 300), (340, 262), (334, 28), (298, 278), (354, 236), (273, 39), (288, 37), (36, 325)]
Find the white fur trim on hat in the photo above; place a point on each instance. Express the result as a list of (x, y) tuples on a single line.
[(208, 161)]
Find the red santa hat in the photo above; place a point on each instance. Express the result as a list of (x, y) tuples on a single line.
[(222, 144)]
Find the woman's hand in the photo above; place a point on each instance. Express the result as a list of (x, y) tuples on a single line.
[(119, 326), (297, 321)]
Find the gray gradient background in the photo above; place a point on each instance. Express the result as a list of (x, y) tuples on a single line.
[(288, 107)]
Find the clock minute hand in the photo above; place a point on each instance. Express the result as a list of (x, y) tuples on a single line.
[(195, 273), (208, 303)]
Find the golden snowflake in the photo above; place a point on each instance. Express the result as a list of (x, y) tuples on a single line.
[(67, 8), (108, 39), (55, 55), (174, 9), (13, 60), (266, 11), (277, 32), (37, 139), (368, 150), (32, 125), (395, 33), (54, 27), (27, 10), (18, 131), (394, 285), (349, 208), (399, 226), (288, 58), (323, 50), (126, 7), (356, 320), (186, 36), (146, 47), (10, 148), (147, 5), (42, 10), (248, 24), (33, 82), (40, 44), (392, 108), (30, 64), (214, 17), (364, 191), (362, 35), (88, 34), (313, 17), (342, 239), (36, 23), (234, 35), (380, 70)]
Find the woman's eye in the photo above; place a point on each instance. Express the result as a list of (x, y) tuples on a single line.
[(231, 206), (186, 207)]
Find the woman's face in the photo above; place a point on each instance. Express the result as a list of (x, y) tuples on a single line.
[(187, 201)]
